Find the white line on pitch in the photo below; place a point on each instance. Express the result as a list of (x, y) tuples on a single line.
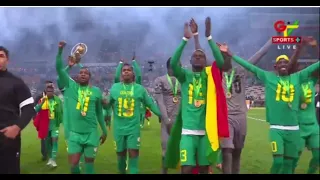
[(257, 119)]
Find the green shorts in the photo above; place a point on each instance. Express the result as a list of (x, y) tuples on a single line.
[(53, 133), (193, 149), (86, 143), (285, 142), (123, 142), (309, 134)]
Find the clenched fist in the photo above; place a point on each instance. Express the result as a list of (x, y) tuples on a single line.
[(62, 44)]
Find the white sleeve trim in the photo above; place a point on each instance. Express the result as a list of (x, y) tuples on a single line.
[(26, 102), (318, 104)]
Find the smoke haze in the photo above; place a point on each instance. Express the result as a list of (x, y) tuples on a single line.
[(33, 33)]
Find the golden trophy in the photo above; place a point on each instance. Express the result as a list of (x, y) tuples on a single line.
[(78, 51)]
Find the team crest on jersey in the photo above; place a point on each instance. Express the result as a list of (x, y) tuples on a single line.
[(95, 149), (138, 139)]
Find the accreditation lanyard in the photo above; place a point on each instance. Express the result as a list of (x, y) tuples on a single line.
[(82, 95), (173, 88), (51, 106), (229, 80)]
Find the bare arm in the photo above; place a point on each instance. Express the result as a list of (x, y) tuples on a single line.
[(261, 52), (196, 42), (293, 62)]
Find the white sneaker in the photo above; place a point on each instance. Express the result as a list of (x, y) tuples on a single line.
[(53, 163), (49, 162)]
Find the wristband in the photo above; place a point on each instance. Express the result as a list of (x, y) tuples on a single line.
[(209, 38), (195, 34), (185, 39)]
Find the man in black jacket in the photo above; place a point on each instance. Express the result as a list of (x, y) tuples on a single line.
[(16, 110), (43, 142)]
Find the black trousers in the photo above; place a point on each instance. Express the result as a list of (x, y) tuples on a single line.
[(43, 148), (10, 155)]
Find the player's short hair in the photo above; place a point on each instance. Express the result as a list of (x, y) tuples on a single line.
[(127, 64), (48, 82), (5, 50), (168, 63), (87, 68)]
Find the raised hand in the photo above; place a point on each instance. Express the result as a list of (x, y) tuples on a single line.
[(310, 41), (224, 49), (44, 97), (62, 44), (134, 55), (208, 27), (187, 33), (71, 61), (193, 26)]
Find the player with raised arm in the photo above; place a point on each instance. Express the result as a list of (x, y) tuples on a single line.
[(84, 103), (309, 129), (282, 105), (234, 85), (65, 98), (126, 98), (195, 125), (71, 63)]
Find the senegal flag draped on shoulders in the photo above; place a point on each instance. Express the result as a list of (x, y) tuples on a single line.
[(41, 121), (216, 120)]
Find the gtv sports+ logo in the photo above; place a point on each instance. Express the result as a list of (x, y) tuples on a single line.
[(286, 41)]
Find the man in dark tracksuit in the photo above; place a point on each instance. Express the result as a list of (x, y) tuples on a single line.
[(43, 141), (16, 111)]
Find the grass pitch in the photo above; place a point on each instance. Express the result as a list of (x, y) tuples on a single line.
[(256, 156)]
